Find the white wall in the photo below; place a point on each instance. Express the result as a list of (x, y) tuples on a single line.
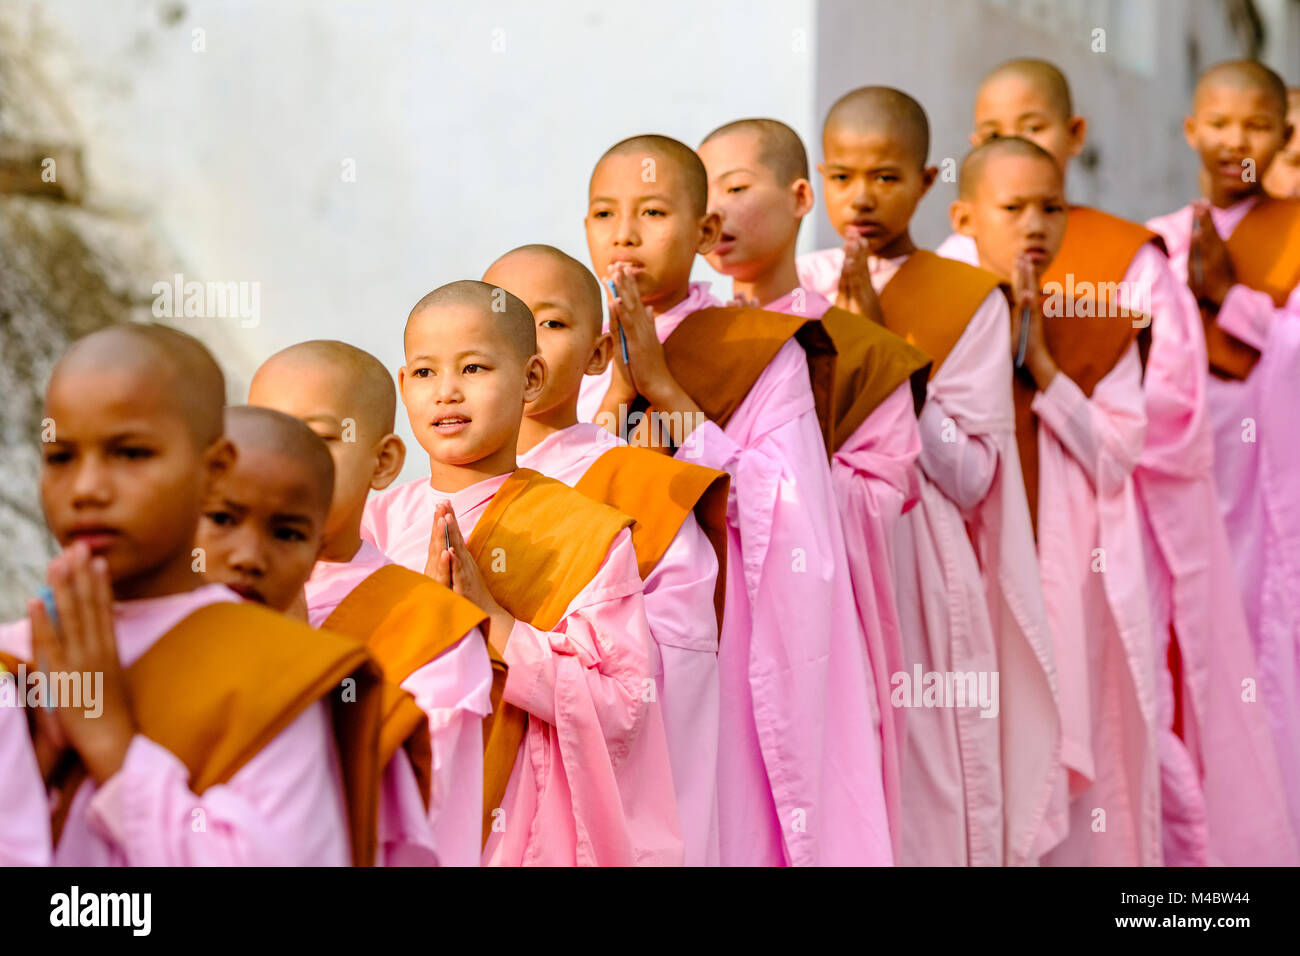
[(473, 126)]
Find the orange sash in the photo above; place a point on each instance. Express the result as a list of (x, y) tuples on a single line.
[(717, 355), (871, 362), (930, 300), (1265, 254), (658, 493), (538, 544), (224, 682), (406, 620)]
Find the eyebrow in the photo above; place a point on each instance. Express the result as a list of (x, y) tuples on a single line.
[(291, 518), (322, 417), (458, 356), (655, 197), (733, 172), (547, 304)]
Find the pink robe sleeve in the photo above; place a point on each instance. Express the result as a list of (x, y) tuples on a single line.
[(679, 610), (285, 807), (1248, 314), (454, 692), (405, 838), (24, 812), (961, 465), (600, 779), (805, 664)]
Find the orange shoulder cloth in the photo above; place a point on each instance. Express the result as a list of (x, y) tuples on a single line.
[(538, 544), (1265, 254), (658, 492), (224, 682), (406, 620), (717, 355), (870, 363), (930, 300)]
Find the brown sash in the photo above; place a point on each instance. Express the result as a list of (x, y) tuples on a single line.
[(717, 355), (538, 544), (1098, 247), (658, 493), (1085, 349), (930, 300), (1265, 254), (224, 682), (406, 620), (871, 362)]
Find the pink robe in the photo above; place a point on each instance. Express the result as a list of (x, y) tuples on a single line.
[(454, 693), (679, 609), (1224, 761), (592, 784), (876, 480), (24, 812), (799, 776), (977, 790), (1256, 460), (285, 806)]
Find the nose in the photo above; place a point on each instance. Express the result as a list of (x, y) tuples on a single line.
[(1240, 138), (246, 553), (864, 197), (448, 388), (625, 233), (90, 485), (1035, 223)]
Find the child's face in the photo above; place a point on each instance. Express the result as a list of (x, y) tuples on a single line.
[(760, 216), (1283, 177), (262, 527), (1014, 106), (648, 224), (1237, 133), (465, 386), (569, 336), (872, 184), (123, 473), (319, 395), (1018, 207)]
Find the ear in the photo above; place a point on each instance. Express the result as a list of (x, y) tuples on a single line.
[(710, 233), (601, 354), (975, 139), (959, 214), (218, 460), (1189, 130), (928, 177), (1288, 130), (534, 378), (821, 171), (390, 456), (1078, 131), (802, 191), (402, 376)]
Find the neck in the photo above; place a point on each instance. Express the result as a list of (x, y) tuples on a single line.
[(175, 577), (453, 478), (669, 300), (900, 245), (771, 285), (535, 429), (1223, 198), (344, 547)]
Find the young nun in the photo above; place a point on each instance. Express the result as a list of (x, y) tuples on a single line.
[(758, 186), (576, 768), (260, 535), (187, 759), (1195, 606), (1079, 425), (981, 785), (424, 636), (1237, 249), (680, 512), (799, 774), (1282, 179)]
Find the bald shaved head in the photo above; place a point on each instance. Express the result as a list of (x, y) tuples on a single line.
[(882, 108), (577, 278), (973, 166), (359, 379), (1041, 75), (679, 155), (266, 430), (167, 358), (779, 147), (509, 315), (1244, 75)]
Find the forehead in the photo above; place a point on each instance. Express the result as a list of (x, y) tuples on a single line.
[(738, 148), (865, 148), (1234, 100), (453, 328), (534, 277), (294, 385), (634, 174), (85, 401), (1007, 97), (268, 481), (1027, 176)]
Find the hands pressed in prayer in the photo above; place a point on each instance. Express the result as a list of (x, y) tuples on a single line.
[(83, 642), (1209, 270), (454, 567), (1026, 303), (856, 293)]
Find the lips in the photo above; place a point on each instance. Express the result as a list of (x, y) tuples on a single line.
[(247, 592), (96, 537), (451, 424), (633, 264), (865, 227), (1037, 253)]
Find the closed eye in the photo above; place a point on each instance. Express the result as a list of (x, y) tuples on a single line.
[(222, 519), (289, 534)]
